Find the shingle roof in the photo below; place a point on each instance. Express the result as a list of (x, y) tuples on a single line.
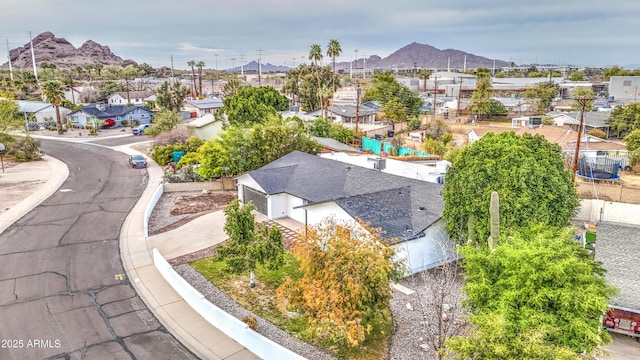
[(595, 119), (618, 248), (394, 203), (350, 110), (334, 145), (135, 94), (206, 103), (108, 110)]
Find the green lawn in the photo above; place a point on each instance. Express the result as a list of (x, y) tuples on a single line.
[(262, 301)]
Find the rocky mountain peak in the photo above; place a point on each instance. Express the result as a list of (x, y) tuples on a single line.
[(51, 49)]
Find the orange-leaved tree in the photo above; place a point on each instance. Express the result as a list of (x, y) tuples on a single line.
[(346, 270)]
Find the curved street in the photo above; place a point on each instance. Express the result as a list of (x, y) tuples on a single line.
[(63, 291)]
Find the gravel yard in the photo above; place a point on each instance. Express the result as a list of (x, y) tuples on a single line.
[(407, 342)]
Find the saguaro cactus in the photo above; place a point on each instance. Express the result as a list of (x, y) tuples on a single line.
[(471, 230), (494, 212)]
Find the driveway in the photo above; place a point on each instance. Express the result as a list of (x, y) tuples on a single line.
[(63, 294)]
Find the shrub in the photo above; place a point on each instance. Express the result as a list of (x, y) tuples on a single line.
[(52, 128), (189, 159), (414, 124), (164, 154), (134, 123), (33, 126), (25, 149), (176, 135), (124, 123), (597, 133), (186, 174), (251, 321)]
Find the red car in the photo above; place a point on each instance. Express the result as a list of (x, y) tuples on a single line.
[(623, 322)]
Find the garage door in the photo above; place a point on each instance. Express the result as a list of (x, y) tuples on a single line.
[(259, 199)]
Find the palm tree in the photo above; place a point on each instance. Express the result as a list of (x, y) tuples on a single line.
[(192, 63), (200, 65), (54, 93), (315, 55), (424, 74), (98, 67), (325, 94), (333, 51)]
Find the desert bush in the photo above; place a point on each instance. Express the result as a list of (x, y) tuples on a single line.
[(25, 149), (33, 126), (179, 134), (124, 123), (251, 321), (164, 154), (186, 174), (597, 133)]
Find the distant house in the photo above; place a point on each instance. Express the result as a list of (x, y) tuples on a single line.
[(198, 108), (308, 188), (132, 97), (346, 114), (592, 120), (40, 111), (206, 127), (100, 112), (332, 145), (624, 88)]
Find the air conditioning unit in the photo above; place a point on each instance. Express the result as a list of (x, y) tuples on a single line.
[(379, 163)]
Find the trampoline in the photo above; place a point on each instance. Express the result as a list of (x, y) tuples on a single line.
[(599, 168)]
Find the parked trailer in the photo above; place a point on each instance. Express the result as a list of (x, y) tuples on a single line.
[(623, 322)]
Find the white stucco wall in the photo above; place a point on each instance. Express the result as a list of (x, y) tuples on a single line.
[(295, 212), (594, 211), (278, 206), (316, 213), (426, 252)]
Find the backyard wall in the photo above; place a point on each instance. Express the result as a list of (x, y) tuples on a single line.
[(221, 184)]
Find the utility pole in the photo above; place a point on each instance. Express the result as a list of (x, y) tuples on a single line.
[(9, 58), (233, 65), (259, 67), (242, 65), (355, 66), (357, 106), (459, 97), (33, 59), (435, 92), (173, 80), (583, 101), (364, 66)]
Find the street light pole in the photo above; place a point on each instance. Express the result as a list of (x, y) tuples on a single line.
[(583, 101)]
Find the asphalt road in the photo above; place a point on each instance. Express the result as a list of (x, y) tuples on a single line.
[(61, 295)]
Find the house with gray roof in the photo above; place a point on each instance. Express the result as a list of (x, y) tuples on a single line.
[(618, 248), (199, 108), (41, 111), (346, 114), (117, 113), (308, 188)]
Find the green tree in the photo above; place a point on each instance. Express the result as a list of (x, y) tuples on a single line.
[(242, 149), (231, 87), (384, 88), (394, 110), (481, 99), (345, 284), (625, 118), (323, 127), (171, 97), (9, 118), (541, 96), (496, 108), (200, 65), (247, 248), (303, 85), (54, 92), (334, 50), (583, 93), (254, 105), (164, 120), (633, 146), (192, 63), (527, 171), (539, 295), (99, 67), (577, 76), (111, 87), (424, 75), (315, 55)]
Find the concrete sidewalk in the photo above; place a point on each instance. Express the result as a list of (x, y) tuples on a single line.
[(206, 341)]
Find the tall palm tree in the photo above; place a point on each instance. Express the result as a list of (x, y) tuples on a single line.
[(334, 50), (192, 63), (315, 55), (54, 93), (98, 67), (424, 74), (200, 65)]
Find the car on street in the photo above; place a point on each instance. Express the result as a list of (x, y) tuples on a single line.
[(137, 161), (139, 130)]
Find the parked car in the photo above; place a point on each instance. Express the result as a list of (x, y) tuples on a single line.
[(137, 161), (140, 129)]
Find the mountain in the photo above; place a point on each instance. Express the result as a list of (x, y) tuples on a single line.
[(51, 49), (253, 66), (424, 56)]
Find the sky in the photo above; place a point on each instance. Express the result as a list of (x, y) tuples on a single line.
[(281, 32)]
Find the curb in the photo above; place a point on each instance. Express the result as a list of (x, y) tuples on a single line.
[(59, 174)]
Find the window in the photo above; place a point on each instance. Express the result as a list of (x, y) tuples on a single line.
[(118, 118), (130, 117), (626, 83)]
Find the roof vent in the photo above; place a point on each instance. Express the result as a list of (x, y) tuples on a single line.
[(347, 167), (421, 208)]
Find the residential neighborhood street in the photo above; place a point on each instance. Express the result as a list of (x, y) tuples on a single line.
[(64, 291)]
